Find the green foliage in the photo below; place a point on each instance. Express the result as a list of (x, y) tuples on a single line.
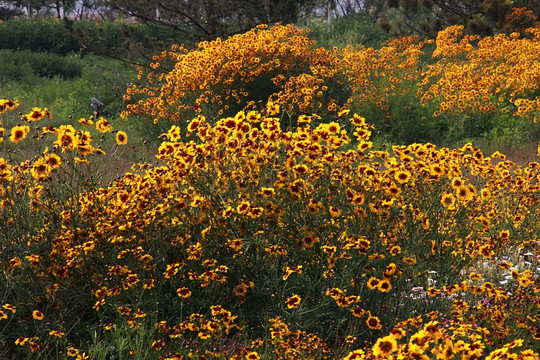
[(357, 29), (119, 39), (39, 34), (18, 65), (6, 13), (127, 41)]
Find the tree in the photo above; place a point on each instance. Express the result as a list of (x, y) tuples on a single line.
[(57, 7), (209, 19), (8, 11), (427, 17), (349, 7)]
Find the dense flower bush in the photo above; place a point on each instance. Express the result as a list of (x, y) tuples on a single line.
[(252, 241), (225, 76), (404, 84), (491, 74)]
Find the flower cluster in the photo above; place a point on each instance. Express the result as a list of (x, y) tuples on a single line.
[(280, 62), (281, 65), (491, 74), (247, 240)]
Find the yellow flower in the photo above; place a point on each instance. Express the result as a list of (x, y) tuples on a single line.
[(37, 315), (410, 261), (304, 119), (268, 192), (40, 170), (103, 125), (235, 244), (79, 160), (252, 355), (402, 176), (358, 120), (121, 138), (10, 307), (373, 283), (66, 138), (253, 116), (293, 302), (183, 292), (19, 133), (334, 211), (158, 344), (5, 169), (7, 104), (71, 351), (374, 323), (56, 333), (384, 286), (243, 207), (35, 115), (397, 333), (54, 161), (385, 346), (21, 341), (87, 122), (448, 201), (204, 335), (272, 108), (355, 355), (194, 124), (464, 193)]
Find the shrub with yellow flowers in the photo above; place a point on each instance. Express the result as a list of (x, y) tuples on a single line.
[(486, 75), (407, 95), (33, 192), (220, 77), (248, 240)]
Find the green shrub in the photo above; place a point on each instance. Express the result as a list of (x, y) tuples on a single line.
[(63, 37), (122, 40), (37, 35), (6, 13), (353, 30), (13, 65)]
